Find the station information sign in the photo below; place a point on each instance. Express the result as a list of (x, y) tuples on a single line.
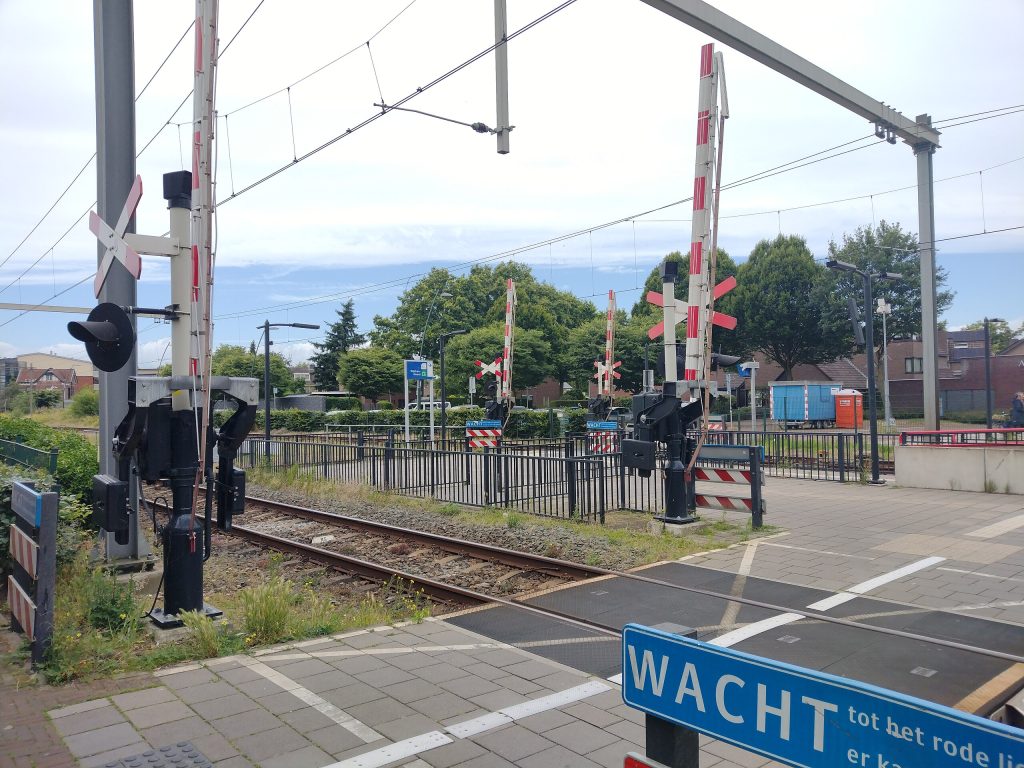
[(419, 370), (484, 424), (802, 717), (602, 425)]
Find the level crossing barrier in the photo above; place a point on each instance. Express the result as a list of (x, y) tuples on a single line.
[(33, 547)]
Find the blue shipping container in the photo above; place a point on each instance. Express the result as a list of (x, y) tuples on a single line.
[(803, 401)]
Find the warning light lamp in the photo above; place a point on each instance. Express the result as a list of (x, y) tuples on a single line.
[(108, 335)]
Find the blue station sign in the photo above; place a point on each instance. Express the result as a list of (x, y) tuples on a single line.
[(485, 424), (419, 370), (602, 425), (801, 717)]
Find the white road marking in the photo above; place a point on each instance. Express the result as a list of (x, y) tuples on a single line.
[(617, 679), (979, 573), (817, 551), (732, 608), (743, 633), (324, 707), (750, 630), (393, 752), (979, 606), (899, 573), (998, 529), (525, 709), (832, 601)]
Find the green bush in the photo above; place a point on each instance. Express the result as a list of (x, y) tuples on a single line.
[(345, 403), (77, 459), (48, 398), (385, 405), (576, 420), (86, 403)]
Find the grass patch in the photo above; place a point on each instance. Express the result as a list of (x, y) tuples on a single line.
[(99, 622)]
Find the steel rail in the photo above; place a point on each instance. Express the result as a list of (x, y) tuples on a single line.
[(522, 560)]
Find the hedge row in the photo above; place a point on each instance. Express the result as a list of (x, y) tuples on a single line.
[(77, 459), (520, 423)]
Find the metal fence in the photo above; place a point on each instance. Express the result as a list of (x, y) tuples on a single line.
[(16, 452), (542, 481), (549, 477)]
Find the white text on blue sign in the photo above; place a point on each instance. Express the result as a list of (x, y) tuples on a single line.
[(799, 716)]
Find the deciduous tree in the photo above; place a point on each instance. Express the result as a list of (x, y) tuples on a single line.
[(371, 372)]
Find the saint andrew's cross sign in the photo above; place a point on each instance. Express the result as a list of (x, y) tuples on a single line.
[(114, 239)]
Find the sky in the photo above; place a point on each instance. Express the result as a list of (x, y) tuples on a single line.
[(602, 96)]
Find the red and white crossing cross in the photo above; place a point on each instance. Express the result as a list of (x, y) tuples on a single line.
[(681, 310), (602, 370), (113, 239), (494, 367)]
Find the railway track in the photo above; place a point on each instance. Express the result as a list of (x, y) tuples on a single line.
[(446, 569)]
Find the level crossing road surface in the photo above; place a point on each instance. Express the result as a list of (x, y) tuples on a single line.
[(503, 687)]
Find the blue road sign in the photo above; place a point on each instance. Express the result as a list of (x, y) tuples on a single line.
[(602, 425), (801, 717), (485, 424), (27, 503), (419, 370)]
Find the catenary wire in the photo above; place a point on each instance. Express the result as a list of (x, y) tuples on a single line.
[(93, 156)]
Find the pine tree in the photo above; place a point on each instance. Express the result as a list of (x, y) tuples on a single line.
[(341, 337)]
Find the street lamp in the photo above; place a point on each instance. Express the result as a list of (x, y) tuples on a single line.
[(267, 325), (988, 370), (869, 343), (423, 338), (884, 309), (442, 340)]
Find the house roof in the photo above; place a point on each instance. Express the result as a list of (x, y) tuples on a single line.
[(1015, 347), (33, 375), (845, 371), (975, 334)]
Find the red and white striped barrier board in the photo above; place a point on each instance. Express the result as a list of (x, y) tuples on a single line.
[(715, 475), (717, 426), (724, 502), (483, 434), (22, 607), (25, 551), (602, 441), (483, 438)]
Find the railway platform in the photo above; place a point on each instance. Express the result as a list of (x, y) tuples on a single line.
[(931, 578)]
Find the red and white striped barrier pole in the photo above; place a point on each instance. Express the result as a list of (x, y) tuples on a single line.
[(510, 326), (700, 240)]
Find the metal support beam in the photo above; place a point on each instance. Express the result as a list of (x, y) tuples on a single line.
[(115, 165), (926, 249), (711, 21), (918, 134)]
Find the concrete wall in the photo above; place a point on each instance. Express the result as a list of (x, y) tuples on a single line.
[(997, 470)]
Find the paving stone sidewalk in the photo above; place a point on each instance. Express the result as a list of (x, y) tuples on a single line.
[(420, 695)]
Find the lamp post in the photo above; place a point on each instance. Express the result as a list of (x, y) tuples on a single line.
[(443, 294), (885, 309), (442, 340), (267, 325), (988, 370), (869, 343)]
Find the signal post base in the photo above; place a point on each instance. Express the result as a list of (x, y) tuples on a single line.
[(166, 621)]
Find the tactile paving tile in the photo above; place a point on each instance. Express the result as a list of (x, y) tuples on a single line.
[(180, 755)]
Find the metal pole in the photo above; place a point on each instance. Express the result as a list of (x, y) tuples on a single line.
[(501, 75), (869, 339), (885, 369), (926, 249), (753, 398), (444, 394), (266, 388), (115, 174), (988, 378)]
